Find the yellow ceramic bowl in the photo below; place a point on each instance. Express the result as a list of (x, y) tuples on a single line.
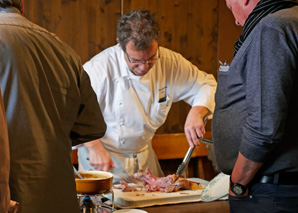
[(94, 182)]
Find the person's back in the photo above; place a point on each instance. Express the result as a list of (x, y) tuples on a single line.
[(49, 103), (4, 159)]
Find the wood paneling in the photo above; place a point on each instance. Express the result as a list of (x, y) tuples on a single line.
[(88, 26), (228, 33), (187, 26)]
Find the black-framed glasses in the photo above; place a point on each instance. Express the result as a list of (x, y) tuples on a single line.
[(143, 62)]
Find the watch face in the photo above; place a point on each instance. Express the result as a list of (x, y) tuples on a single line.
[(236, 189)]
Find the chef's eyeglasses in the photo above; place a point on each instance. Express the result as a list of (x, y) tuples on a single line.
[(143, 62)]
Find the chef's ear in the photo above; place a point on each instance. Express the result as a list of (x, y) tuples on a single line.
[(122, 48), (119, 43)]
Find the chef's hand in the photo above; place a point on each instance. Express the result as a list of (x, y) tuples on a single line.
[(194, 126), (99, 158)]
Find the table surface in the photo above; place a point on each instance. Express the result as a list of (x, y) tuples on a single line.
[(198, 207)]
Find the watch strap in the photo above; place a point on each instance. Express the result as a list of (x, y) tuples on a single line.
[(237, 188)]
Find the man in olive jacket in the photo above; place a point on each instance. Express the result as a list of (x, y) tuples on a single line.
[(50, 106)]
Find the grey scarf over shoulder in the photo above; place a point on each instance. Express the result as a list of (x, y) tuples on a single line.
[(263, 8)]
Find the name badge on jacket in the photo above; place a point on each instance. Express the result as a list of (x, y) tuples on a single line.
[(224, 67)]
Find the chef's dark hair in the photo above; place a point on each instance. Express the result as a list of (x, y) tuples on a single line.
[(139, 26), (11, 3)]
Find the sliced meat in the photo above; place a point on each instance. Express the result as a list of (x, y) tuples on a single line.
[(125, 187), (183, 183), (170, 183)]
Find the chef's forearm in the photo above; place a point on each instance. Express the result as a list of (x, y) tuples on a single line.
[(92, 144), (200, 111), (244, 170)]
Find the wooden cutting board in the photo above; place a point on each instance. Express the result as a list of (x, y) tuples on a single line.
[(142, 199)]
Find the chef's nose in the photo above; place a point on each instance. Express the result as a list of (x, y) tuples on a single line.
[(144, 66)]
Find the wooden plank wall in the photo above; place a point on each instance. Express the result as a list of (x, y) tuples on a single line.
[(228, 33), (189, 27), (88, 26)]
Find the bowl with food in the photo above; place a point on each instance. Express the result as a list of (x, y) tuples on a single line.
[(94, 182)]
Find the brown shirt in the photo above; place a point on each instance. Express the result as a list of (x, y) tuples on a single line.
[(50, 106), (4, 161)]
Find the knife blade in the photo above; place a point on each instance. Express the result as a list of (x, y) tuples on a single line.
[(126, 177)]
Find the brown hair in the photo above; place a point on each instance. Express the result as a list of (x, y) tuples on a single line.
[(139, 26)]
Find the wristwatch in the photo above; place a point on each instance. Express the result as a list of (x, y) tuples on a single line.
[(237, 188)]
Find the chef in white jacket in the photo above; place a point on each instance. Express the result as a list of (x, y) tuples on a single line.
[(136, 82)]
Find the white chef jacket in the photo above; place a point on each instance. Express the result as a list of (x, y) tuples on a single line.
[(134, 107)]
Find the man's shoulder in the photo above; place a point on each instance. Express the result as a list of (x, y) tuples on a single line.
[(104, 61), (166, 50), (281, 18), (168, 54), (44, 37)]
